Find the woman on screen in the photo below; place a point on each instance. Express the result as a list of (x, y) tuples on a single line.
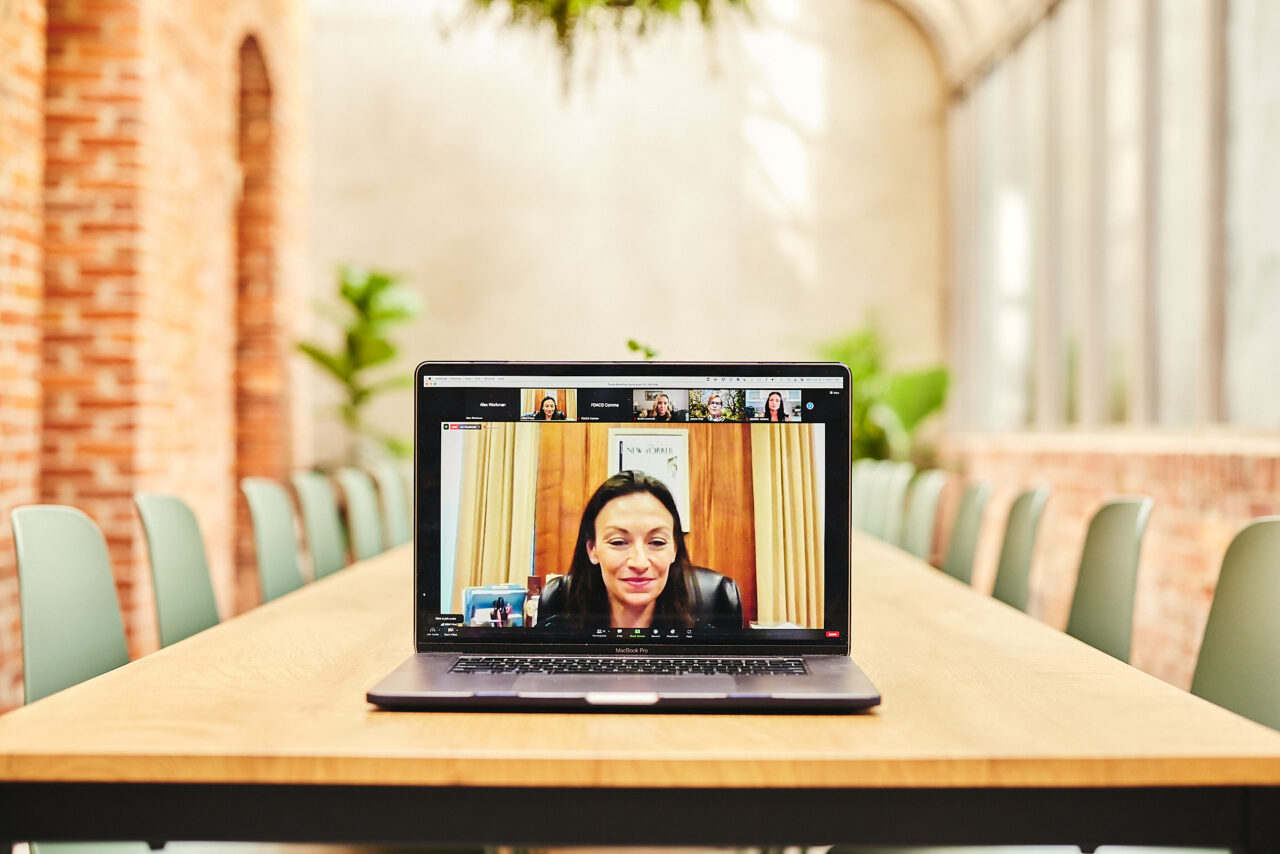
[(715, 408), (547, 411), (630, 564), (662, 408), (774, 410)]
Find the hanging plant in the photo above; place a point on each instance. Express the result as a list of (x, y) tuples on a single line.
[(630, 18)]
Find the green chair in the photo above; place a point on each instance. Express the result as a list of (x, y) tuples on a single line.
[(895, 500), (1102, 608), (922, 513), (179, 569), (71, 624), (406, 475), (65, 580), (877, 487), (363, 521), (273, 537), (958, 562), (394, 512), (1239, 662), (860, 485), (1013, 573), (326, 539)]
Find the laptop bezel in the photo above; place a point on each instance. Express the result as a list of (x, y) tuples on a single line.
[(837, 557)]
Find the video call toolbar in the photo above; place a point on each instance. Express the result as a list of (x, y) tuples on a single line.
[(652, 403)]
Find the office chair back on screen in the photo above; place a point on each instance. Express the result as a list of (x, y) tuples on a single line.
[(179, 569), (1102, 608), (1239, 662)]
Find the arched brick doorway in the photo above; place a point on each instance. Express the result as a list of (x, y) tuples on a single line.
[(261, 384)]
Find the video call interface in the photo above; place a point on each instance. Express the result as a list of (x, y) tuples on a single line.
[(683, 510)]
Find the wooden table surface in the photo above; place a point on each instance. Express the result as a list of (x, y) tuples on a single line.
[(975, 695)]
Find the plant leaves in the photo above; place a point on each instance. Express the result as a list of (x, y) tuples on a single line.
[(335, 363), (915, 395), (397, 382)]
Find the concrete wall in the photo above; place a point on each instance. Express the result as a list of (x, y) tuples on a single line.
[(734, 197)]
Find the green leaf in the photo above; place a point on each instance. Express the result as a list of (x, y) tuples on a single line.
[(368, 350), (636, 347), (399, 381), (916, 395), (399, 448), (334, 363)]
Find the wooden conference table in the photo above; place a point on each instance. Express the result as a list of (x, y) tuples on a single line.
[(994, 728)]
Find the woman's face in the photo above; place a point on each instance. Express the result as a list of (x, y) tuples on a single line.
[(775, 402), (660, 405), (634, 547), (715, 406), (548, 407)]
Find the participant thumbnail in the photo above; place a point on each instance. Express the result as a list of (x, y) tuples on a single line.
[(774, 404), (551, 404), (655, 404), (714, 404)]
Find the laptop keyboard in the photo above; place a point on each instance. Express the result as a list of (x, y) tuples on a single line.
[(505, 664)]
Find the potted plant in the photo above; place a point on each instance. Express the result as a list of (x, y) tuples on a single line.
[(373, 303)]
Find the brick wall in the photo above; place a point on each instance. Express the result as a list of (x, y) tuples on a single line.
[(133, 329), (92, 264), (196, 232), (22, 48), (1205, 489)]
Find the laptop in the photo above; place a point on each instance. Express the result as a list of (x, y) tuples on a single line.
[(631, 536)]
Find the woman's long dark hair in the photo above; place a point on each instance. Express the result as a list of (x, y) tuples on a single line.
[(588, 600), (782, 406), (542, 416)]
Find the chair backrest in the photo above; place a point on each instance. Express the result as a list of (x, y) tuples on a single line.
[(922, 513), (1102, 608), (895, 498), (860, 486), (958, 562), (273, 537), (71, 624), (406, 475), (363, 521), (1239, 663), (326, 538), (394, 513), (1013, 573), (877, 486), (179, 568)]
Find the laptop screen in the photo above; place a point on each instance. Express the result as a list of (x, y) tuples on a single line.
[(595, 504)]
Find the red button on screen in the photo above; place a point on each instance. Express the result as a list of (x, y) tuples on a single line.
[(833, 634)]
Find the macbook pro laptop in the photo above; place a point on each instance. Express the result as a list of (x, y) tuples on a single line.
[(631, 535)]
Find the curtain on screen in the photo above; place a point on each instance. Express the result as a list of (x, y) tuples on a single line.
[(496, 507), (789, 583)]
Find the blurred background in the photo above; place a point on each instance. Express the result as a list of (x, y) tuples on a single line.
[(1045, 234)]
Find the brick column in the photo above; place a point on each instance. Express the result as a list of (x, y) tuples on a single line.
[(261, 381), (92, 186), (22, 48)]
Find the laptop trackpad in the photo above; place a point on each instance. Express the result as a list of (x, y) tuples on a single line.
[(574, 685)]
